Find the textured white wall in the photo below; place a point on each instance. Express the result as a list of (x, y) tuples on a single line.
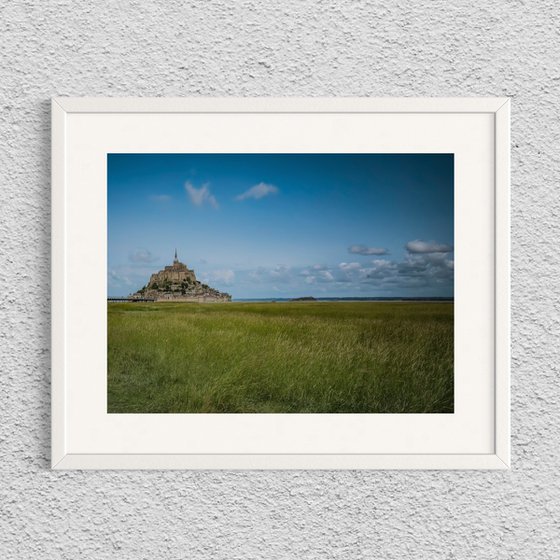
[(291, 47)]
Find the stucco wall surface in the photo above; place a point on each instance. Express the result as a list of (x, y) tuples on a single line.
[(250, 48)]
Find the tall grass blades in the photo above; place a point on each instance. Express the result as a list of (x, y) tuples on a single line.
[(315, 357)]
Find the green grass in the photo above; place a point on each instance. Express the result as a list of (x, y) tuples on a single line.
[(374, 357)]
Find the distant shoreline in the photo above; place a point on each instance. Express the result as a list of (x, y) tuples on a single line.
[(344, 299), (314, 300)]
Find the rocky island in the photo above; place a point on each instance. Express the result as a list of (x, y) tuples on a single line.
[(177, 282)]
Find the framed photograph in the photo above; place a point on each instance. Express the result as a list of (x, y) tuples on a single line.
[(280, 283)]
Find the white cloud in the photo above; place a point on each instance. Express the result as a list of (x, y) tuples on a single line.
[(117, 279), (325, 276), (416, 273), (418, 246), (266, 274), (349, 266), (200, 196), (226, 276), (363, 250), (258, 191), (142, 256), (279, 271)]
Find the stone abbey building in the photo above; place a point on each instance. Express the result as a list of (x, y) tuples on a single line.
[(177, 282)]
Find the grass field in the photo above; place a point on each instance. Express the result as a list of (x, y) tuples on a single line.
[(374, 357)]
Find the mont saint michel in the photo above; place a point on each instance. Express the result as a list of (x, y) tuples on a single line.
[(177, 282)]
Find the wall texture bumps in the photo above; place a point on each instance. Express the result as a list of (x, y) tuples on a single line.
[(293, 47)]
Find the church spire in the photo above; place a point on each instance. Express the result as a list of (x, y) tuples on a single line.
[(175, 255)]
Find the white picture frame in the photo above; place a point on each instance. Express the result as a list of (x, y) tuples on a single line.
[(476, 436)]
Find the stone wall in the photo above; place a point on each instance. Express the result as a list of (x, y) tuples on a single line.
[(174, 276)]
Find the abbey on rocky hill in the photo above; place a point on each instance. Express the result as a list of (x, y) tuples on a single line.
[(177, 282)]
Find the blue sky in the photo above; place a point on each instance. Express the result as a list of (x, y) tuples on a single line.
[(285, 225)]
